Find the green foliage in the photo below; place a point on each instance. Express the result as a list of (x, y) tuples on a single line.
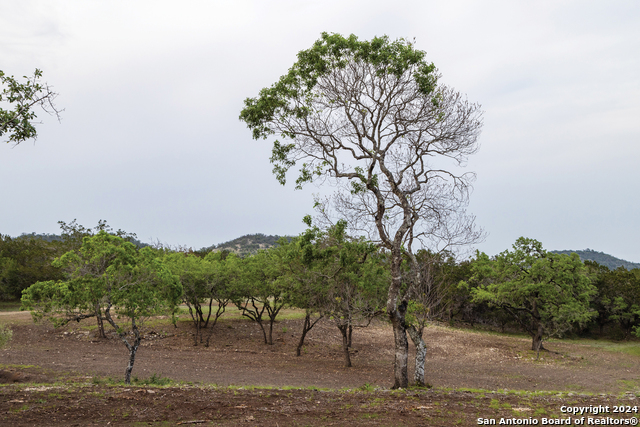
[(153, 380), (106, 272), (618, 297), (345, 278), (299, 94), (17, 122), (204, 280), (339, 277), (24, 261), (261, 288), (547, 293)]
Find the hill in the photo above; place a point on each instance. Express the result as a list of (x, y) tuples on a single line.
[(248, 244), (601, 258)]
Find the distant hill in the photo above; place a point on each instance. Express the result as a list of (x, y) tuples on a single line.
[(248, 244), (601, 258)]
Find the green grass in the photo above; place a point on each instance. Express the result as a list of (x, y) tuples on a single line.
[(10, 305), (154, 380), (631, 348), (629, 385), (3, 366)]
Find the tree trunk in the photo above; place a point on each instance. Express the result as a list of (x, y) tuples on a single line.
[(421, 354), (536, 344), (270, 332), (99, 318), (197, 321), (401, 378), (306, 327), (345, 345), (222, 305), (538, 329), (206, 323), (397, 313), (349, 342), (132, 358), (101, 332), (123, 336), (264, 332)]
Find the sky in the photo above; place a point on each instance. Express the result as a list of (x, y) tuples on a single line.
[(150, 139)]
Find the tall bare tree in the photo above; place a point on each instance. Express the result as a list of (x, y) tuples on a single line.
[(372, 117)]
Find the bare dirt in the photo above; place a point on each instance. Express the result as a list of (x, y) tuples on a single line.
[(56, 377)]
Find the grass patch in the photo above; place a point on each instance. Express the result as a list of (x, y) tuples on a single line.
[(154, 380), (10, 305), (631, 348), (3, 366), (629, 385)]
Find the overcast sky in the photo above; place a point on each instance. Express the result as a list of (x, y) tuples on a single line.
[(151, 142)]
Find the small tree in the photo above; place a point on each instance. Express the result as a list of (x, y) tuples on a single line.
[(224, 268), (342, 278), (203, 282), (546, 293), (84, 293), (110, 274), (356, 282), (307, 292), (261, 288)]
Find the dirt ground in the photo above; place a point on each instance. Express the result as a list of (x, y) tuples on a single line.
[(227, 383)]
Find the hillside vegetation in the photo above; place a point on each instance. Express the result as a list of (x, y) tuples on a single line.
[(249, 244), (601, 258)]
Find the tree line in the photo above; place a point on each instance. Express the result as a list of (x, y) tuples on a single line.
[(99, 273)]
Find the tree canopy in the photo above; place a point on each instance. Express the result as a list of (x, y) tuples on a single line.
[(107, 273), (546, 292)]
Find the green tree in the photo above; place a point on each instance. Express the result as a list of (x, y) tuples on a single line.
[(547, 293), (339, 277), (107, 273), (204, 281), (307, 292), (601, 278), (356, 282), (24, 261), (18, 121), (618, 297), (262, 289), (372, 117)]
